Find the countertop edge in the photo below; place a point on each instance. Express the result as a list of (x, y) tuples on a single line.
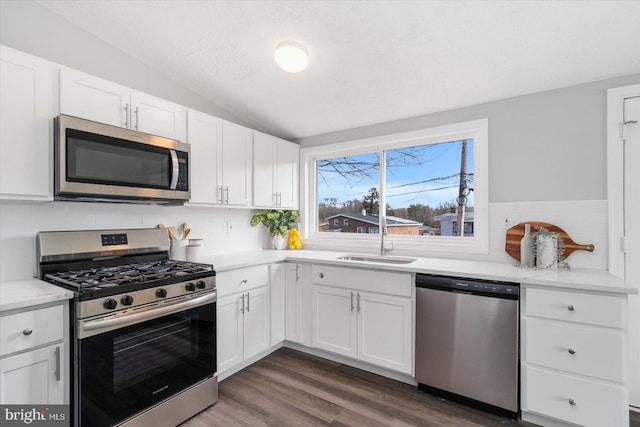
[(27, 293)]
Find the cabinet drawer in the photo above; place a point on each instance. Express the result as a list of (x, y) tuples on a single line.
[(575, 348), (242, 279), (579, 401), (385, 282), (575, 307), (45, 325)]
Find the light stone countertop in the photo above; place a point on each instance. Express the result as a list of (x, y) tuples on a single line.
[(576, 278), (26, 293)]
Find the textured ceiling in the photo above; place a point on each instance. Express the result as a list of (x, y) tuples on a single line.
[(371, 61)]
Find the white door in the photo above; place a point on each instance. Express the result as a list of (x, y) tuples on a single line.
[(293, 303), (334, 320), (264, 193), (158, 117), (236, 164), (33, 378), (204, 133), (25, 126), (256, 322), (632, 235), (384, 331), (287, 160), (92, 98), (229, 331), (276, 291)]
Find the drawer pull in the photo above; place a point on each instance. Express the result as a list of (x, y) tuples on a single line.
[(571, 308), (572, 351), (572, 402), (321, 275), (27, 331), (244, 281)]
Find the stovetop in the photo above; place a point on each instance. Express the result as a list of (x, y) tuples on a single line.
[(100, 281)]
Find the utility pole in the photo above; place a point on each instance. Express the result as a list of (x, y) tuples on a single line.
[(462, 198)]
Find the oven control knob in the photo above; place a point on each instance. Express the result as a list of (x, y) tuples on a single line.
[(110, 304), (161, 293), (190, 287), (201, 284), (127, 300)]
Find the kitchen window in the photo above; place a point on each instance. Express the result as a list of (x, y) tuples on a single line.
[(419, 185)]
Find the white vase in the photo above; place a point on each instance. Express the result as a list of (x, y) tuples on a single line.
[(178, 250), (280, 242)]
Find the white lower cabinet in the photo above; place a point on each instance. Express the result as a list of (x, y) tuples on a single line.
[(34, 377), (33, 356), (276, 291), (369, 326), (293, 302), (573, 358)]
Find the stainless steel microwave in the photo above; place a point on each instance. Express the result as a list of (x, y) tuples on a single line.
[(99, 162)]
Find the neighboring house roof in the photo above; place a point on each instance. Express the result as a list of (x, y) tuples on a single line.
[(453, 217), (374, 219)]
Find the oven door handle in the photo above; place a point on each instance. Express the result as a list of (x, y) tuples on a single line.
[(152, 313)]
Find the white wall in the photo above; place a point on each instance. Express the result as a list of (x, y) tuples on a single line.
[(21, 221)]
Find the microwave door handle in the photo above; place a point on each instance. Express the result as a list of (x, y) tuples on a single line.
[(175, 170)]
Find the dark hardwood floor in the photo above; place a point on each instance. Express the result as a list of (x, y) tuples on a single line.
[(289, 388)]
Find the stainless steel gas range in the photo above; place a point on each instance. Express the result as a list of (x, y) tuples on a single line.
[(143, 326)]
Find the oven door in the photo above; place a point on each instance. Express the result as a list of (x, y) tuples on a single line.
[(127, 370)]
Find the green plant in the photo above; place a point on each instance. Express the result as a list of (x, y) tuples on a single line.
[(276, 220)]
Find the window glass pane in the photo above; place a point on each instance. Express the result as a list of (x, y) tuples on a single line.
[(347, 189), (429, 188)]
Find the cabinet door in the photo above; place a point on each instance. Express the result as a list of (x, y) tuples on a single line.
[(34, 377), (229, 331), (236, 164), (89, 97), (158, 117), (287, 160), (293, 303), (26, 84), (276, 290), (384, 331), (264, 192), (334, 320), (256, 322), (205, 136)]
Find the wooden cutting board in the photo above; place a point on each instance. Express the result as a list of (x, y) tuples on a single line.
[(515, 234)]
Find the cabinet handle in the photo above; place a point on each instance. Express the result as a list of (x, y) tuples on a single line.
[(126, 115), (137, 125), (358, 301), (297, 272), (247, 302), (571, 351), (352, 302), (279, 199), (226, 193), (321, 275), (571, 308), (242, 309), (243, 281), (27, 331), (57, 373), (274, 199), (572, 402)]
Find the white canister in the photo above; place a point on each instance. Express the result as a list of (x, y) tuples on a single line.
[(546, 251), (178, 250), (194, 253)]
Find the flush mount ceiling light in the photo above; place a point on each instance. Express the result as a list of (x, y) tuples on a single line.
[(291, 57)]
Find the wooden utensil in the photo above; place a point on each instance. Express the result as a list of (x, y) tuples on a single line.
[(173, 233), (515, 234)]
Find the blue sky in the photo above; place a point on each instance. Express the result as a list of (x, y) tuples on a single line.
[(437, 161)]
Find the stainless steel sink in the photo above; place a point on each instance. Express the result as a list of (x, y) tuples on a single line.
[(374, 258)]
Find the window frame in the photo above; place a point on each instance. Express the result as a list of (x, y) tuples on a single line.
[(479, 243)]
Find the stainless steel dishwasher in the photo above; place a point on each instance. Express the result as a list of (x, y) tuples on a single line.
[(467, 341)]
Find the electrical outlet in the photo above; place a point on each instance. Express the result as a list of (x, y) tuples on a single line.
[(229, 227), (510, 220)]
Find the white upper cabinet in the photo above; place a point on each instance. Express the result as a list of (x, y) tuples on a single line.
[(89, 97), (235, 164), (275, 168), (204, 133), (27, 85)]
